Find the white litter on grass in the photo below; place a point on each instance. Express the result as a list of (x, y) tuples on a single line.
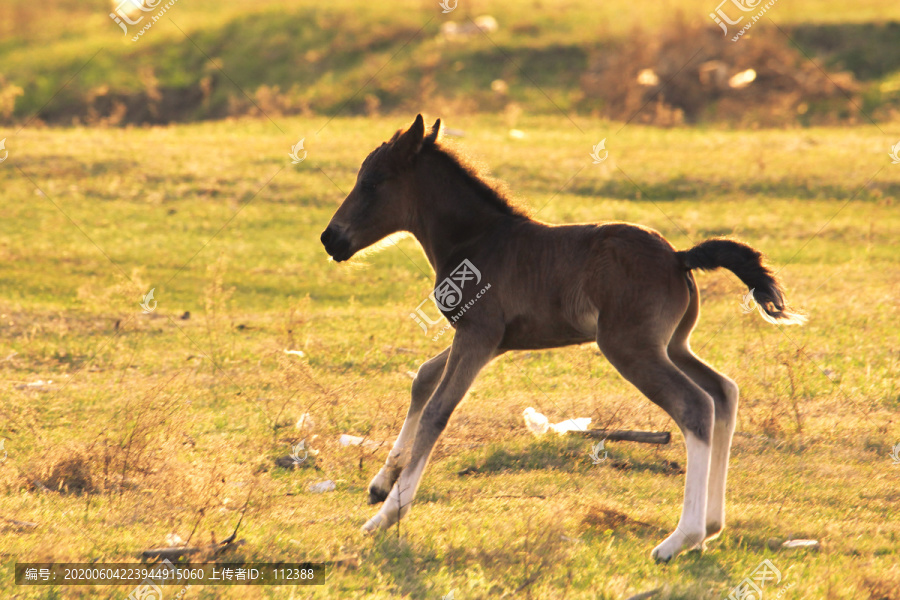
[(355, 440), (579, 424), (801, 544), (538, 424), (35, 385), (321, 488), (305, 422), (482, 24), (535, 421), (566, 538), (299, 353), (173, 539)]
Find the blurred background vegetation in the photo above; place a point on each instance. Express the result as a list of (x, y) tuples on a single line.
[(210, 60)]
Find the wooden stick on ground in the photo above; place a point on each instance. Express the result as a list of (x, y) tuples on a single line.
[(644, 437), (178, 552)]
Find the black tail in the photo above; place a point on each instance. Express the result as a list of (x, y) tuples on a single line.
[(747, 264)]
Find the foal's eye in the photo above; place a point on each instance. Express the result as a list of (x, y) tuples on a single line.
[(368, 187)]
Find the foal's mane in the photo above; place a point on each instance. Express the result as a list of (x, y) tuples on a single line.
[(467, 170)]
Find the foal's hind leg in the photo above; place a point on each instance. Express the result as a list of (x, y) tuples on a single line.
[(724, 393), (423, 386), (725, 396), (641, 358)]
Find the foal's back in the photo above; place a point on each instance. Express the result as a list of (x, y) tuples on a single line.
[(553, 282)]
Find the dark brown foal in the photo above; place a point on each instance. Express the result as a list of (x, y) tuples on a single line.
[(621, 285)]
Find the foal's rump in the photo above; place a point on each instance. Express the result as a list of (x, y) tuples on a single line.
[(561, 285), (636, 277)]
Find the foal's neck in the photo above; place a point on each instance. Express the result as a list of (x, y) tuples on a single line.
[(452, 208)]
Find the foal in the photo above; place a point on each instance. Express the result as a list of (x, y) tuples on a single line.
[(622, 285)]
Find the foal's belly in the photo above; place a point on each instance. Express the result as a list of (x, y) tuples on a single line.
[(528, 333)]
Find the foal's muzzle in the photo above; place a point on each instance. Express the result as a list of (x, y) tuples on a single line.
[(336, 245)]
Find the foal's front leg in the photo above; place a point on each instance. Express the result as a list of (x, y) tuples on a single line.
[(423, 386), (466, 358)]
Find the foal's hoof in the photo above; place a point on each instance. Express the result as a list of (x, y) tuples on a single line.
[(383, 519), (675, 544), (713, 530), (373, 524), (381, 485), (377, 494), (661, 556)]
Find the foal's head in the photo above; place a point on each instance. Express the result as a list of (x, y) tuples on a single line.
[(383, 200)]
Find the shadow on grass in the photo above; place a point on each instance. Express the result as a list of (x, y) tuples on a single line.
[(409, 568), (686, 188), (599, 519), (569, 454)]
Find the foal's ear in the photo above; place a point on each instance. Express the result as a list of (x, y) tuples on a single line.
[(435, 134), (410, 141)]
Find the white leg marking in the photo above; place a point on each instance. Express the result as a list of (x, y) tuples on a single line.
[(718, 473), (397, 458), (692, 526), (400, 499), (723, 432), (425, 383), (461, 368)]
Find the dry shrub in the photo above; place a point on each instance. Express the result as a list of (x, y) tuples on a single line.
[(126, 450), (105, 109), (884, 585), (69, 471), (300, 390), (8, 94), (694, 64), (124, 294), (270, 101), (11, 479), (220, 326), (104, 106), (132, 447), (525, 548)]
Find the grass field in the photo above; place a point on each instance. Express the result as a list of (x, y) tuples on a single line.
[(157, 424)]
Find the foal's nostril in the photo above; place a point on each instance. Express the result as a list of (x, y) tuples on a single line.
[(336, 245)]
